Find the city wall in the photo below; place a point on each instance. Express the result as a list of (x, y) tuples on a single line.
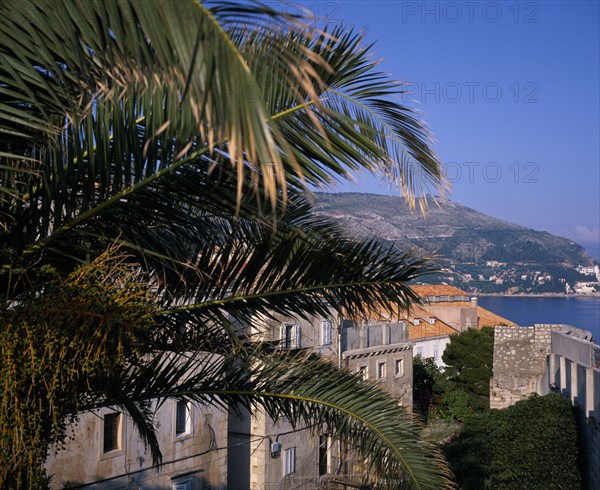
[(545, 358), (520, 363)]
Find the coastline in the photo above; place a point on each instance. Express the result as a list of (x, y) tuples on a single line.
[(539, 295)]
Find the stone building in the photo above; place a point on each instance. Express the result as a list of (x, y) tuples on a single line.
[(105, 452), (375, 348), (204, 447), (455, 308)]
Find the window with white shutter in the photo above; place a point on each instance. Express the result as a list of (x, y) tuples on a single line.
[(399, 367), (183, 419), (289, 336), (282, 331), (326, 328), (295, 337), (289, 461)]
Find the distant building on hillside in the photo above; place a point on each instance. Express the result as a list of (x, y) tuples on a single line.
[(589, 271), (586, 287)]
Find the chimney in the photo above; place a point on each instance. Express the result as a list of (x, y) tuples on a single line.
[(474, 301)]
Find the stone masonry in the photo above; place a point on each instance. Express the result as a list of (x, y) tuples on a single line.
[(520, 363)]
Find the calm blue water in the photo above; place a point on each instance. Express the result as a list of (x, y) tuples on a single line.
[(581, 312)]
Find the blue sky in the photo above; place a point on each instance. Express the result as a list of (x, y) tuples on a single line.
[(511, 93)]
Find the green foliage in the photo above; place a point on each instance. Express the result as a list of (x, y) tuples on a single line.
[(469, 357), (59, 350), (428, 385), (532, 445), (462, 388), (436, 396)]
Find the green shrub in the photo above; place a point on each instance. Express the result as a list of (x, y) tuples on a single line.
[(531, 445)]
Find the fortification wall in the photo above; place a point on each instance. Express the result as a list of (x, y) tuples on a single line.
[(530, 360), (520, 363)]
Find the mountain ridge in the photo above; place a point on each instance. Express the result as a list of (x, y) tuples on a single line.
[(476, 251)]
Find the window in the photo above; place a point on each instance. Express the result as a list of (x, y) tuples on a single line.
[(420, 351), (399, 367), (289, 335), (289, 461), (112, 423), (416, 322), (435, 351), (183, 485), (323, 454), (381, 370), (363, 371), (326, 328), (431, 320), (182, 419)]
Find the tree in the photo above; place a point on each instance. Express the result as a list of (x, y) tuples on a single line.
[(469, 357), (149, 206), (462, 388), (436, 396), (532, 444)]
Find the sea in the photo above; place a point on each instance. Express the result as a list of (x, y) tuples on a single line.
[(578, 311)]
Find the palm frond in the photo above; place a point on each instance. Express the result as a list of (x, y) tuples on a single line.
[(99, 97), (354, 121), (118, 126), (309, 392)]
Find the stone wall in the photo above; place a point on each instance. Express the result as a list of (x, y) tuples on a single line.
[(390, 366), (361, 335), (458, 317), (193, 457), (520, 363), (538, 359), (574, 371)]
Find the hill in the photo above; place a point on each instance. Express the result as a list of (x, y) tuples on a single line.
[(478, 253)]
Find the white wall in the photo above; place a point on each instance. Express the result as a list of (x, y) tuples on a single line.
[(431, 348)]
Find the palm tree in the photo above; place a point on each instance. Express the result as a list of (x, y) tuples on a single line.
[(154, 167)]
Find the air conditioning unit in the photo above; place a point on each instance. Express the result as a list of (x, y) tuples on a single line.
[(275, 449)]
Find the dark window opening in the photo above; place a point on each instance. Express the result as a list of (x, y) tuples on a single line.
[(111, 431), (181, 417), (323, 454)]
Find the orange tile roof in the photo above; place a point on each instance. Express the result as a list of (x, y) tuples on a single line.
[(489, 318), (426, 329), (425, 290)]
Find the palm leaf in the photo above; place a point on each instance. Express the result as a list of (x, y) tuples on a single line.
[(284, 383), (119, 126)]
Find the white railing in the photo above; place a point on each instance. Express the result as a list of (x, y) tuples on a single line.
[(574, 370)]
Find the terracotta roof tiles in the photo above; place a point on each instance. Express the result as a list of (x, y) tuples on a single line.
[(425, 290)]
